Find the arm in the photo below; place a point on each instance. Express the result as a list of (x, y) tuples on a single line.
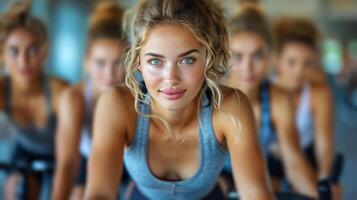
[(298, 170), (105, 162), (323, 118), (249, 169), (70, 120)]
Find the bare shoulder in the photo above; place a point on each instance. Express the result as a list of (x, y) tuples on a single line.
[(72, 97), (57, 84), (117, 107), (320, 90), (235, 101), (321, 95), (234, 114), (281, 100), (119, 98)]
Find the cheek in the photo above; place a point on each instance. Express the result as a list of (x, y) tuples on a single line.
[(261, 72), (193, 76), (95, 72)]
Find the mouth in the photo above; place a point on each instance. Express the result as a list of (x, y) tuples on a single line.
[(249, 79), (109, 83), (172, 94), (25, 71)]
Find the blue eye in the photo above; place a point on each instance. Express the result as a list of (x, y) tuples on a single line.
[(99, 63), (13, 51), (33, 50), (236, 56), (188, 61), (155, 61), (258, 57)]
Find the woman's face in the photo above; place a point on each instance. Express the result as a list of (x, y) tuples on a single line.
[(293, 62), (104, 63), (23, 55), (172, 63), (250, 61)]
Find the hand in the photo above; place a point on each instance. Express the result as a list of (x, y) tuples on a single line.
[(336, 190)]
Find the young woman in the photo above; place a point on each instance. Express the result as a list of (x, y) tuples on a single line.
[(103, 64), (297, 48), (28, 97), (251, 44), (173, 129)]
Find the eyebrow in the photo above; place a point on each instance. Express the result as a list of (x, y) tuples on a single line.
[(181, 55)]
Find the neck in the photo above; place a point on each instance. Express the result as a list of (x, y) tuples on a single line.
[(283, 83), (26, 88), (252, 94), (177, 119)]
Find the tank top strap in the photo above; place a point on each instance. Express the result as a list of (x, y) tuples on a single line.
[(266, 129), (48, 95), (7, 94)]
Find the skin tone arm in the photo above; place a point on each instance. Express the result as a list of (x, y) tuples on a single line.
[(70, 120), (298, 170), (110, 135), (249, 170), (323, 115)]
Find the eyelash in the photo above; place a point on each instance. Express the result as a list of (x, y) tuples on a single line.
[(188, 58)]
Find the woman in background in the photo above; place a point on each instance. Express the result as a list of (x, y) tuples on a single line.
[(297, 49), (104, 66), (251, 45), (27, 95)]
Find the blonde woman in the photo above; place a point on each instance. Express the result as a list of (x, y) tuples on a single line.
[(174, 129)]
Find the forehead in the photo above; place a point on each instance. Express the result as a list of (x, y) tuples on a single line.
[(21, 37), (170, 38), (298, 49), (106, 47), (247, 42)]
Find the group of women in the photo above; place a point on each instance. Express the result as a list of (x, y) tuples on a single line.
[(190, 104)]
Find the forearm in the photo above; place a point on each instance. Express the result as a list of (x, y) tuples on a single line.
[(302, 177), (324, 156), (63, 181), (257, 194)]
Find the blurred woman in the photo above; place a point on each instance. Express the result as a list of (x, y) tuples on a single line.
[(28, 97), (173, 129), (251, 45), (104, 66), (297, 49)]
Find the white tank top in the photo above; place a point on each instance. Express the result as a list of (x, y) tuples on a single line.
[(86, 141), (304, 118)]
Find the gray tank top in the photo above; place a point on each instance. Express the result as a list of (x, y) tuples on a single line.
[(36, 140), (212, 157)]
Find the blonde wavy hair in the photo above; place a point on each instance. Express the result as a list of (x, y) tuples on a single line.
[(204, 18)]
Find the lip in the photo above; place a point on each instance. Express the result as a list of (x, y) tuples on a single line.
[(26, 71), (172, 94), (249, 79), (109, 83)]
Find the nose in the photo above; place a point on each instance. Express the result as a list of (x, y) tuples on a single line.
[(247, 66), (23, 59), (109, 71), (171, 73)]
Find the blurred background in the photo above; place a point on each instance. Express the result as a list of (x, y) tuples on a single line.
[(66, 21)]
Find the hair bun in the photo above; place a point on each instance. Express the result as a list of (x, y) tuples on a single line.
[(106, 12)]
